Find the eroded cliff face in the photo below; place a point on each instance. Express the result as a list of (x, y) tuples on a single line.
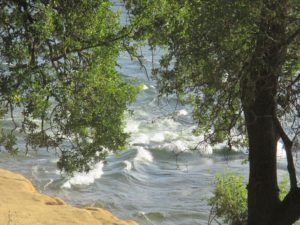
[(21, 204)]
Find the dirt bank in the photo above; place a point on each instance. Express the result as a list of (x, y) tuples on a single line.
[(21, 204)]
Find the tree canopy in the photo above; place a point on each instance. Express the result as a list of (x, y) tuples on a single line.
[(236, 62), (58, 80), (209, 47)]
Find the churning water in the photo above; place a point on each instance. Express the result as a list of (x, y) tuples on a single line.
[(156, 180)]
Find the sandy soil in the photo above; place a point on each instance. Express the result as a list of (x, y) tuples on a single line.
[(21, 204)]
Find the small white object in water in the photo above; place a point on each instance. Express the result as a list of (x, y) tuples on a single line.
[(85, 178)]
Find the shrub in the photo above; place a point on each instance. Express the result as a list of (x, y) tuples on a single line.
[(229, 200)]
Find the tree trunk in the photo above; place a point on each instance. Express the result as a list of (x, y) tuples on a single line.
[(263, 192), (258, 95), (259, 106)]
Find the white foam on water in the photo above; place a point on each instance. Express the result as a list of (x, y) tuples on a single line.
[(158, 137), (54, 161), (170, 136), (199, 144), (169, 123), (143, 155), (35, 171), (140, 113), (180, 146), (143, 214), (132, 126), (83, 178), (234, 148), (183, 112), (280, 150), (206, 149), (141, 139), (188, 136), (222, 145), (176, 146), (145, 87), (48, 183), (128, 165)]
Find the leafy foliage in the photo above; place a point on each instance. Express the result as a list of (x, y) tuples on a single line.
[(209, 47), (229, 200), (58, 81), (237, 63)]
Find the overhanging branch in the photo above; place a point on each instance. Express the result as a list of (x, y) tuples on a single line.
[(105, 42)]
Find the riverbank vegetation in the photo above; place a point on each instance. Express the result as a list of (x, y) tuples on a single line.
[(236, 62), (229, 200)]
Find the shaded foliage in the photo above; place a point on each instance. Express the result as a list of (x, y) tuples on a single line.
[(208, 50), (237, 63), (229, 200), (58, 81)]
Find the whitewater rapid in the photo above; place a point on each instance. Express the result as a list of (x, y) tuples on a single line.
[(157, 179)]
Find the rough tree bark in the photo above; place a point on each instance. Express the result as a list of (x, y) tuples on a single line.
[(263, 192), (259, 92)]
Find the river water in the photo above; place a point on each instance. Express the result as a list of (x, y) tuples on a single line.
[(156, 180)]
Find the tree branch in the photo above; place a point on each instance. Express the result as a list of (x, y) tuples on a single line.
[(295, 80), (94, 45), (288, 144), (288, 211), (292, 37)]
